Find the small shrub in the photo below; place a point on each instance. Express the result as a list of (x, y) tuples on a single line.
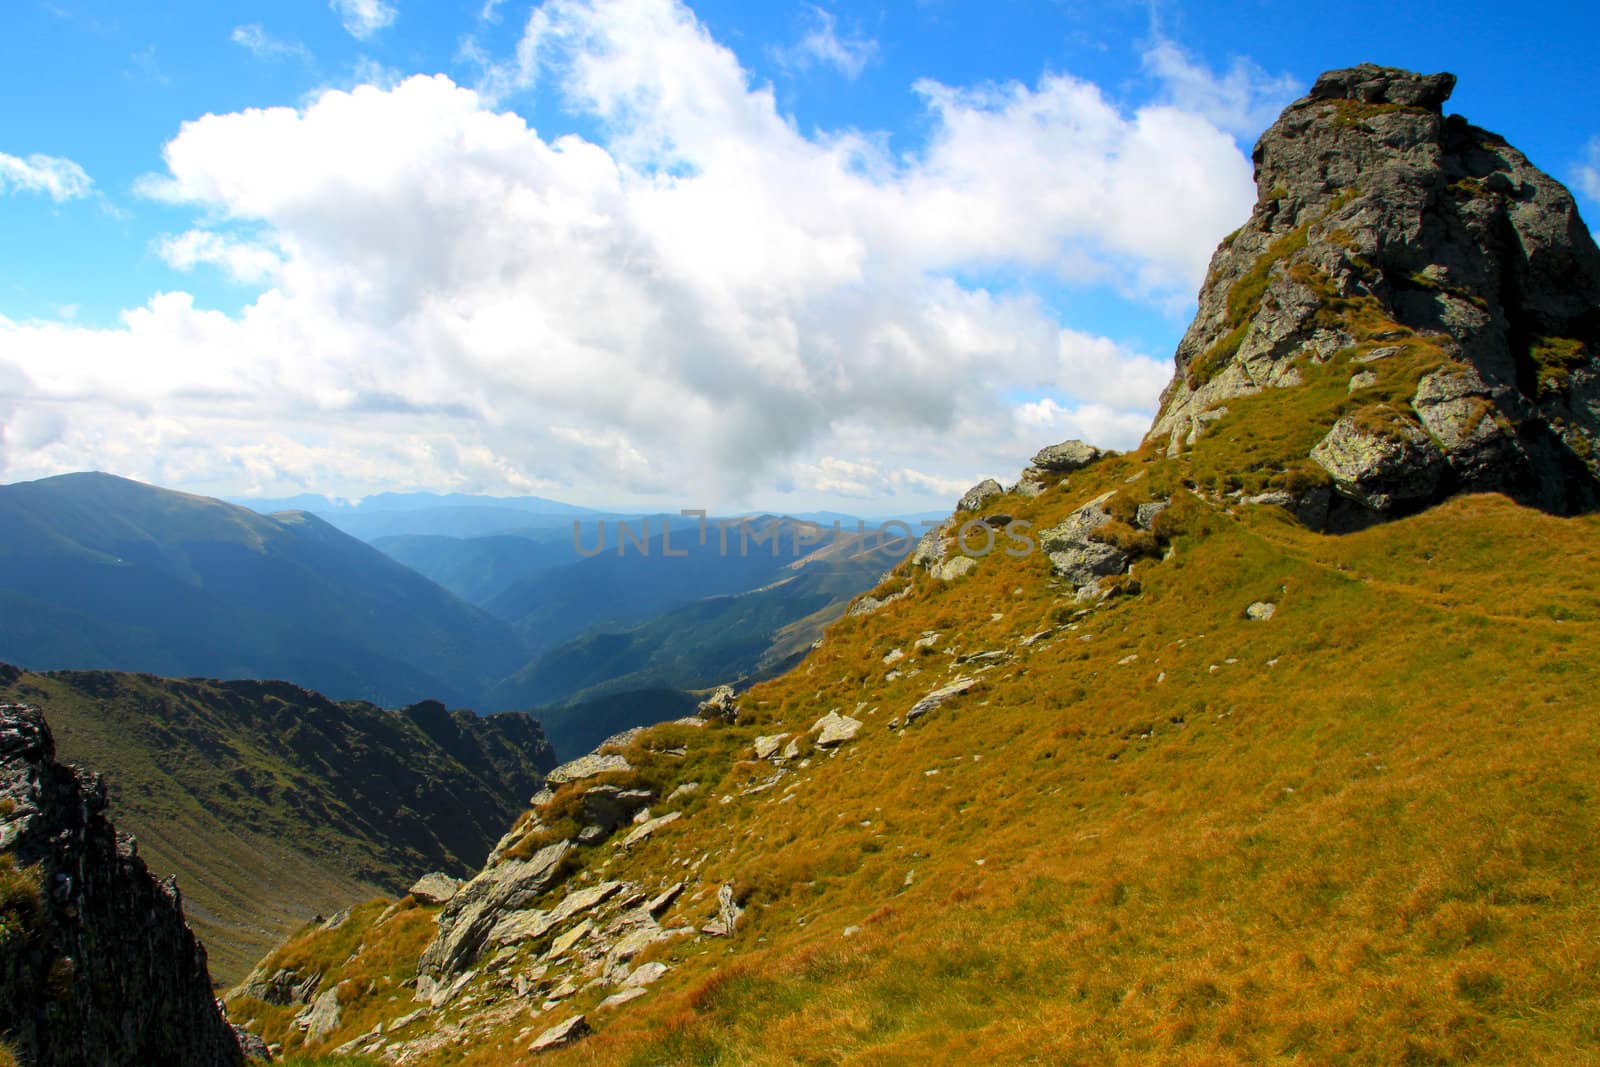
[(21, 906)]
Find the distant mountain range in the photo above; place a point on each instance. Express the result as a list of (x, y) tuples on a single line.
[(100, 571)]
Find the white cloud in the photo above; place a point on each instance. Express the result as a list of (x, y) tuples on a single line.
[(59, 179), (821, 45), (245, 262), (363, 18), (705, 304), (259, 43), (1587, 174), (1244, 101)]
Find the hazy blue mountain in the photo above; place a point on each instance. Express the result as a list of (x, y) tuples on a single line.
[(477, 569), (737, 637), (102, 572)]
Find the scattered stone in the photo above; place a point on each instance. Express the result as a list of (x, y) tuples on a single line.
[(893, 656), (835, 729), (622, 997), (953, 568), (791, 751), (927, 640), (686, 789), (645, 974), (938, 697), (1261, 610), (561, 1034), (1362, 379), (251, 1045), (643, 831), (769, 744), (1033, 639), (620, 741), (564, 944)]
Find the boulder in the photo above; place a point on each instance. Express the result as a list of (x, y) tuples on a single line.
[(1261, 610), (938, 698), (1382, 466), (1065, 457), (435, 887), (1075, 554), (974, 498), (590, 766), (645, 830), (721, 705), (561, 1034), (835, 729), (953, 568), (768, 746)]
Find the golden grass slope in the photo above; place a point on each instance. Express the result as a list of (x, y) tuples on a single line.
[(1364, 831)]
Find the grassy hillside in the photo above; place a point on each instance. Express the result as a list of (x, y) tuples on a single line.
[(1360, 831), (272, 804), (97, 571)]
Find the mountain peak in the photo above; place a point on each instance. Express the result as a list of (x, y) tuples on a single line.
[(1429, 298), (1372, 84)]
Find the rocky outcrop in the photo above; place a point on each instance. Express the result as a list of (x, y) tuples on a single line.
[(1447, 286), (97, 965), (978, 495), (465, 923), (721, 705)]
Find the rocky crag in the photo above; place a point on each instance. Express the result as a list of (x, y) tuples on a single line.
[(97, 965), (1424, 269)]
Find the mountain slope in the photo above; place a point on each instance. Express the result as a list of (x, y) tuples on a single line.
[(477, 569), (272, 804), (1197, 779), (98, 571), (735, 637)]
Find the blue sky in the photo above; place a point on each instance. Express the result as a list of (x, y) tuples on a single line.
[(778, 369)]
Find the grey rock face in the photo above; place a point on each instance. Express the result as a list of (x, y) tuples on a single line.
[(466, 922), (1449, 242), (106, 971)]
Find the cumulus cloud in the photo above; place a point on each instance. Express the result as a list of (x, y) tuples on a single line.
[(702, 302), (822, 45), (1245, 100), (59, 179), (363, 18)]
